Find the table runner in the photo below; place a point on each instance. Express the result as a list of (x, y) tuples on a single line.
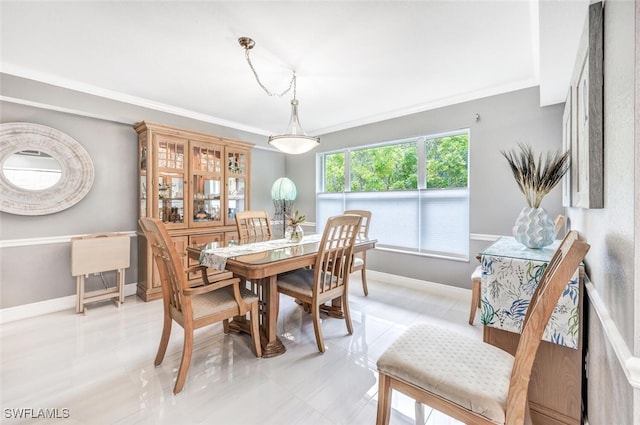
[(217, 257), (510, 275)]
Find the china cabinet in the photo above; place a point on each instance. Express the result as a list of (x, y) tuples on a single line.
[(195, 183)]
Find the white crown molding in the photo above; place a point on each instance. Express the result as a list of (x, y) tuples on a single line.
[(440, 103), (145, 103), (12, 243), (629, 363), (50, 107), (21, 72)]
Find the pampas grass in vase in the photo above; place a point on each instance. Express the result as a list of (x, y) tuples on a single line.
[(536, 176)]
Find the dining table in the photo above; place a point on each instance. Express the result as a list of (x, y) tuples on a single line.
[(259, 261)]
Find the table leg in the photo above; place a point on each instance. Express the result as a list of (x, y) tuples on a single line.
[(335, 309), (269, 289), (269, 297)]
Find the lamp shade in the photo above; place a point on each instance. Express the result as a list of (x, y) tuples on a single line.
[(283, 189), (294, 140)]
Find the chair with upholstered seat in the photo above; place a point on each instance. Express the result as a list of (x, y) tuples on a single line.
[(360, 259), (194, 307), (476, 276), (465, 378), (253, 225), (329, 277)]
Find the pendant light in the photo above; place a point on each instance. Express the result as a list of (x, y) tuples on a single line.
[(294, 140)]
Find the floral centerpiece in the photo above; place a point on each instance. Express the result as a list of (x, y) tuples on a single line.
[(294, 232), (535, 178)]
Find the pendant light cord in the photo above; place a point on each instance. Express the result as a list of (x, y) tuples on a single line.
[(292, 83)]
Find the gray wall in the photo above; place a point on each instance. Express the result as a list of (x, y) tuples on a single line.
[(103, 127), (612, 262), (34, 273), (495, 200)]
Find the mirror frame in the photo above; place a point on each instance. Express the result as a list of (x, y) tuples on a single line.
[(77, 169)]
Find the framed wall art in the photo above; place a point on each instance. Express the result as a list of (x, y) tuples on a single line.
[(567, 133), (586, 115)]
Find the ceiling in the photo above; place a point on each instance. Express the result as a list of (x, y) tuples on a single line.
[(356, 61)]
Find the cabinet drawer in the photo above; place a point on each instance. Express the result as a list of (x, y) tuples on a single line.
[(206, 238)]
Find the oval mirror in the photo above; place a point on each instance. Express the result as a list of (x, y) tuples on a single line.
[(42, 170), (32, 170)]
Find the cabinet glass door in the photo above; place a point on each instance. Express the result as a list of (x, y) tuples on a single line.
[(237, 167), (171, 178), (142, 180), (206, 184)]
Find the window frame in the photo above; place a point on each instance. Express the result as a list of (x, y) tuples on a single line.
[(422, 191)]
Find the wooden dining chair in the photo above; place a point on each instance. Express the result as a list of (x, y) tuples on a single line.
[(253, 225), (465, 378), (194, 307), (360, 259), (476, 276), (558, 224), (329, 277)]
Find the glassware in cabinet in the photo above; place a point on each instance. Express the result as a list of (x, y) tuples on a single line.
[(237, 175), (171, 174), (206, 184)]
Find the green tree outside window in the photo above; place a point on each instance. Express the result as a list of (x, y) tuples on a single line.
[(447, 162)]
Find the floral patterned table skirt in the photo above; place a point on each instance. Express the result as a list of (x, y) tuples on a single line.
[(510, 274)]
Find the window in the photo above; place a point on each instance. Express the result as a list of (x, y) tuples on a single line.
[(417, 190)]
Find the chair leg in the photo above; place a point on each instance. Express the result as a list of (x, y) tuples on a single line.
[(164, 339), (419, 408), (347, 312), (315, 313), (225, 326), (255, 329), (365, 289), (475, 299), (186, 360), (384, 400)]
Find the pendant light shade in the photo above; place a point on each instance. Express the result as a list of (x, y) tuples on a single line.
[(294, 140)]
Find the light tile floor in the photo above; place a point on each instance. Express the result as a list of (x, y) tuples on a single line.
[(98, 368)]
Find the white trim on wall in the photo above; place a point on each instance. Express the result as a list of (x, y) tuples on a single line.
[(629, 363), (483, 237), (49, 107), (122, 120), (12, 243), (26, 311), (128, 99)]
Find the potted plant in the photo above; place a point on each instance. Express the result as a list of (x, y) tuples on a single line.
[(535, 178), (294, 232)]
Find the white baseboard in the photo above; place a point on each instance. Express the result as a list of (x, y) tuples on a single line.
[(26, 311), (409, 282)]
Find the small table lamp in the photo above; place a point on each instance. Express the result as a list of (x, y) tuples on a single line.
[(283, 193)]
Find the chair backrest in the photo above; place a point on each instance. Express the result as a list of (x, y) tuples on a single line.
[(364, 224), (253, 225), (170, 267), (335, 256), (553, 282), (558, 223)]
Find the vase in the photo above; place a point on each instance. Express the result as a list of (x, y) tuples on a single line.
[(534, 228), (294, 233)]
